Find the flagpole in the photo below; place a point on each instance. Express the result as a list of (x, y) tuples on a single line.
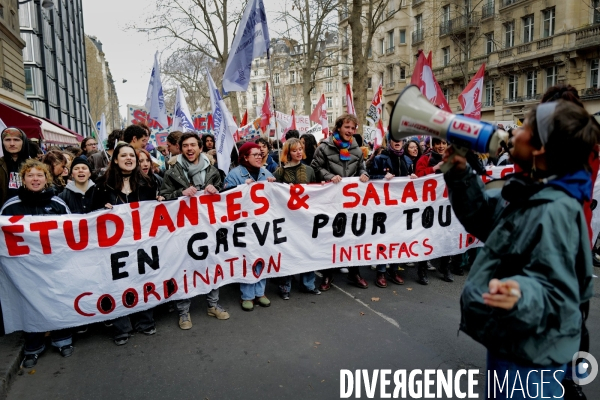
[(274, 106)]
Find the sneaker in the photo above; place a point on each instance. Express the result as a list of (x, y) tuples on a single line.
[(108, 324), (596, 260), (185, 322), (263, 301), (312, 291), (344, 270), (247, 305), (149, 331), (430, 266), (29, 361), (218, 312), (121, 341), (67, 351), (285, 295), (82, 329)]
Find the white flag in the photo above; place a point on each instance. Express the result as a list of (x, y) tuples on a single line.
[(182, 118), (102, 135), (224, 126), (251, 40), (155, 99)]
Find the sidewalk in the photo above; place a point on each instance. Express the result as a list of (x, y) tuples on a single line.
[(11, 348)]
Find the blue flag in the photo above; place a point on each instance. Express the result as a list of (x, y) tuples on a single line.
[(251, 40)]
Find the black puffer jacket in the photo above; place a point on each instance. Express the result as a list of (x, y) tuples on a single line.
[(78, 201), (106, 194), (35, 203)]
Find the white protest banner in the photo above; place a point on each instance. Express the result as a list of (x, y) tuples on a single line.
[(70, 270), (315, 130), (369, 133), (285, 120)]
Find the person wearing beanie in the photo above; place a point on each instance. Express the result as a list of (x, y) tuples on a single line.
[(80, 190), (249, 171), (15, 148)]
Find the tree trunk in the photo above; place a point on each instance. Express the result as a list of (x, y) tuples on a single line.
[(359, 62), (306, 88)]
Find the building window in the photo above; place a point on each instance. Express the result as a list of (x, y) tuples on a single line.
[(330, 118), (509, 34), (381, 46), (446, 14), (531, 84), (276, 78), (329, 102), (292, 76), (255, 72), (28, 81), (513, 84), (254, 99), (550, 77), (328, 72), (488, 100), (328, 86), (390, 39), (264, 85), (419, 22), (594, 67), (390, 73), (402, 73), (528, 29), (446, 56), (402, 36), (254, 86), (548, 22), (369, 83), (276, 92), (596, 14), (489, 43), (369, 53), (446, 92), (294, 90)]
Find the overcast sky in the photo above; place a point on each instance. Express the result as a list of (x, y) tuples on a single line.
[(129, 53)]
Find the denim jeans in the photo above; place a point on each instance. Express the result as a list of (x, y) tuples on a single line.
[(212, 298), (250, 291), (532, 380), (308, 281), (34, 342), (381, 268), (143, 320)]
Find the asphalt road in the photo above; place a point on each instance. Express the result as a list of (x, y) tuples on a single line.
[(291, 350)]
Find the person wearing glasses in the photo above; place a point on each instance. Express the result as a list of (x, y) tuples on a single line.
[(248, 171), (89, 145), (15, 147)]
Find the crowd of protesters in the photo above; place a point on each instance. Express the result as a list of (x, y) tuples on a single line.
[(82, 180)]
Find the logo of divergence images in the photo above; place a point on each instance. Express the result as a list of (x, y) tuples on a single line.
[(585, 368)]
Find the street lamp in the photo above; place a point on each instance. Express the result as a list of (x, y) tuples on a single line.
[(47, 4)]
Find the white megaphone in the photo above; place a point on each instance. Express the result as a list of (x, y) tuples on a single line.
[(413, 115)]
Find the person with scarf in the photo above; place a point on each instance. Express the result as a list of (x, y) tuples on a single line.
[(429, 164), (267, 160), (523, 296), (293, 172), (247, 172), (15, 148), (36, 196), (339, 157), (191, 175), (393, 162)]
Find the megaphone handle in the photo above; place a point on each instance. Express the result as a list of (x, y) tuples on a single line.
[(460, 150)]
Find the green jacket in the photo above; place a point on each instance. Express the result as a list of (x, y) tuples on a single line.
[(176, 181), (542, 243)]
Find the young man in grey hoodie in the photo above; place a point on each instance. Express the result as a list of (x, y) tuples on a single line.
[(190, 174)]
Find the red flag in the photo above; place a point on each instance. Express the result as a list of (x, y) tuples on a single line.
[(379, 135), (319, 115), (375, 109), (423, 77), (470, 98), (293, 124), (245, 119), (349, 100), (266, 112)]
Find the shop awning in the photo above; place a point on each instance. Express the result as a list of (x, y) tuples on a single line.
[(37, 128)]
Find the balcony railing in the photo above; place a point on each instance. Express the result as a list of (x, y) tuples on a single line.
[(487, 104), (459, 24), (418, 36), (480, 60), (7, 84), (390, 85), (505, 53), (487, 10), (542, 44), (524, 48), (521, 99), (591, 32), (590, 92), (389, 50)]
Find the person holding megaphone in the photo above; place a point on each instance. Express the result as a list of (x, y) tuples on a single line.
[(522, 297)]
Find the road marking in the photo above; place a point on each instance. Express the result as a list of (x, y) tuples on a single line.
[(382, 315)]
